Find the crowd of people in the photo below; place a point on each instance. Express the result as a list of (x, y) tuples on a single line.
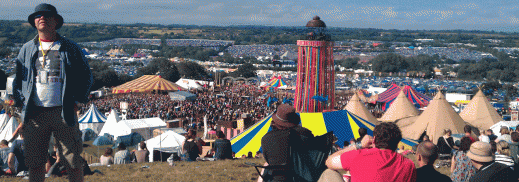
[(222, 106), (376, 158)]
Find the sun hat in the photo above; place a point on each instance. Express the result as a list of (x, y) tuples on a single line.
[(481, 152), (48, 9), (286, 116)]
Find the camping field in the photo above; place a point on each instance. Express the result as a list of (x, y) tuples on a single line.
[(229, 170)]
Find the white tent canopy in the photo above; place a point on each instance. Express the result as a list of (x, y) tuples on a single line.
[(92, 119), (110, 125), (144, 127), (169, 142), (497, 127), (189, 84), (7, 127)]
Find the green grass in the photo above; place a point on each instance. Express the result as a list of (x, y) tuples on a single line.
[(217, 171)]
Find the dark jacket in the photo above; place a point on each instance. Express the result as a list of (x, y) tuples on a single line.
[(514, 150), (428, 173), (76, 76), (495, 172)]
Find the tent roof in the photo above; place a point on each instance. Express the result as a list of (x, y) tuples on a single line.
[(276, 82), (365, 96), (143, 123), (392, 92), (92, 116), (480, 113), (343, 123), (188, 83), (111, 123), (438, 116), (400, 108), (146, 83), (168, 141), (356, 107), (8, 126)]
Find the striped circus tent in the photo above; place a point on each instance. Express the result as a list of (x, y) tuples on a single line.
[(147, 83), (343, 123), (92, 119), (417, 99), (276, 82)]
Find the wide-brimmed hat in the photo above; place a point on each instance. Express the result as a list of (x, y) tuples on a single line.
[(286, 116), (481, 152), (49, 9)]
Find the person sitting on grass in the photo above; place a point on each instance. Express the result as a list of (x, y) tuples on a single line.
[(461, 167), (222, 147), (503, 154), (122, 156), (514, 146), (426, 154), (373, 159), (107, 158), (142, 155), (190, 147), (487, 169)]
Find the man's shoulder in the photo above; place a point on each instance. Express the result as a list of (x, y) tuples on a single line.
[(428, 173)]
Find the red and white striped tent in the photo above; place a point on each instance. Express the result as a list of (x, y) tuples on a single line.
[(147, 83)]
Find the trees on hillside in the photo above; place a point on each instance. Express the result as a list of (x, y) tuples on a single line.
[(161, 66), (192, 70)]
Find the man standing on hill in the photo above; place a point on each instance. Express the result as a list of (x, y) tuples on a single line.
[(52, 75)]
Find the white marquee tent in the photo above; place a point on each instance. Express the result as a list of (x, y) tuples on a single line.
[(169, 142)]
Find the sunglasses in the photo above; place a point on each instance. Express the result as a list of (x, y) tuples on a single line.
[(46, 15)]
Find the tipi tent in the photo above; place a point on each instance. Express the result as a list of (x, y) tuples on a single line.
[(168, 141), (399, 109), (147, 83), (9, 125), (387, 97), (356, 107), (480, 113), (92, 119), (438, 116), (344, 125), (110, 126)]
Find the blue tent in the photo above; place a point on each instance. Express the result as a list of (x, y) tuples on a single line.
[(129, 140), (102, 140), (88, 134)]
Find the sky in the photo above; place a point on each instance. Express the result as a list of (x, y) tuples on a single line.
[(498, 15)]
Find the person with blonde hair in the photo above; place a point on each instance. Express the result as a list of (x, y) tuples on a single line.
[(446, 143), (503, 154), (505, 135)]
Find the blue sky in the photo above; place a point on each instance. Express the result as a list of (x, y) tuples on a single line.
[(499, 15)]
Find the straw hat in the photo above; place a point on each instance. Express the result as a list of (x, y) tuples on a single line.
[(481, 152)]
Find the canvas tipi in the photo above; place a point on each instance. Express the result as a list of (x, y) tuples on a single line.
[(111, 123), (356, 107), (438, 116), (479, 113), (399, 109)]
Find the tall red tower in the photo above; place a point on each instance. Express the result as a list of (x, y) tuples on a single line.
[(315, 85)]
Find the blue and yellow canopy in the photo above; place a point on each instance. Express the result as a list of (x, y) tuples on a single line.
[(345, 126)]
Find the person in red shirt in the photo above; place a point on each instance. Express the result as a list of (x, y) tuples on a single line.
[(468, 130), (374, 159)]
